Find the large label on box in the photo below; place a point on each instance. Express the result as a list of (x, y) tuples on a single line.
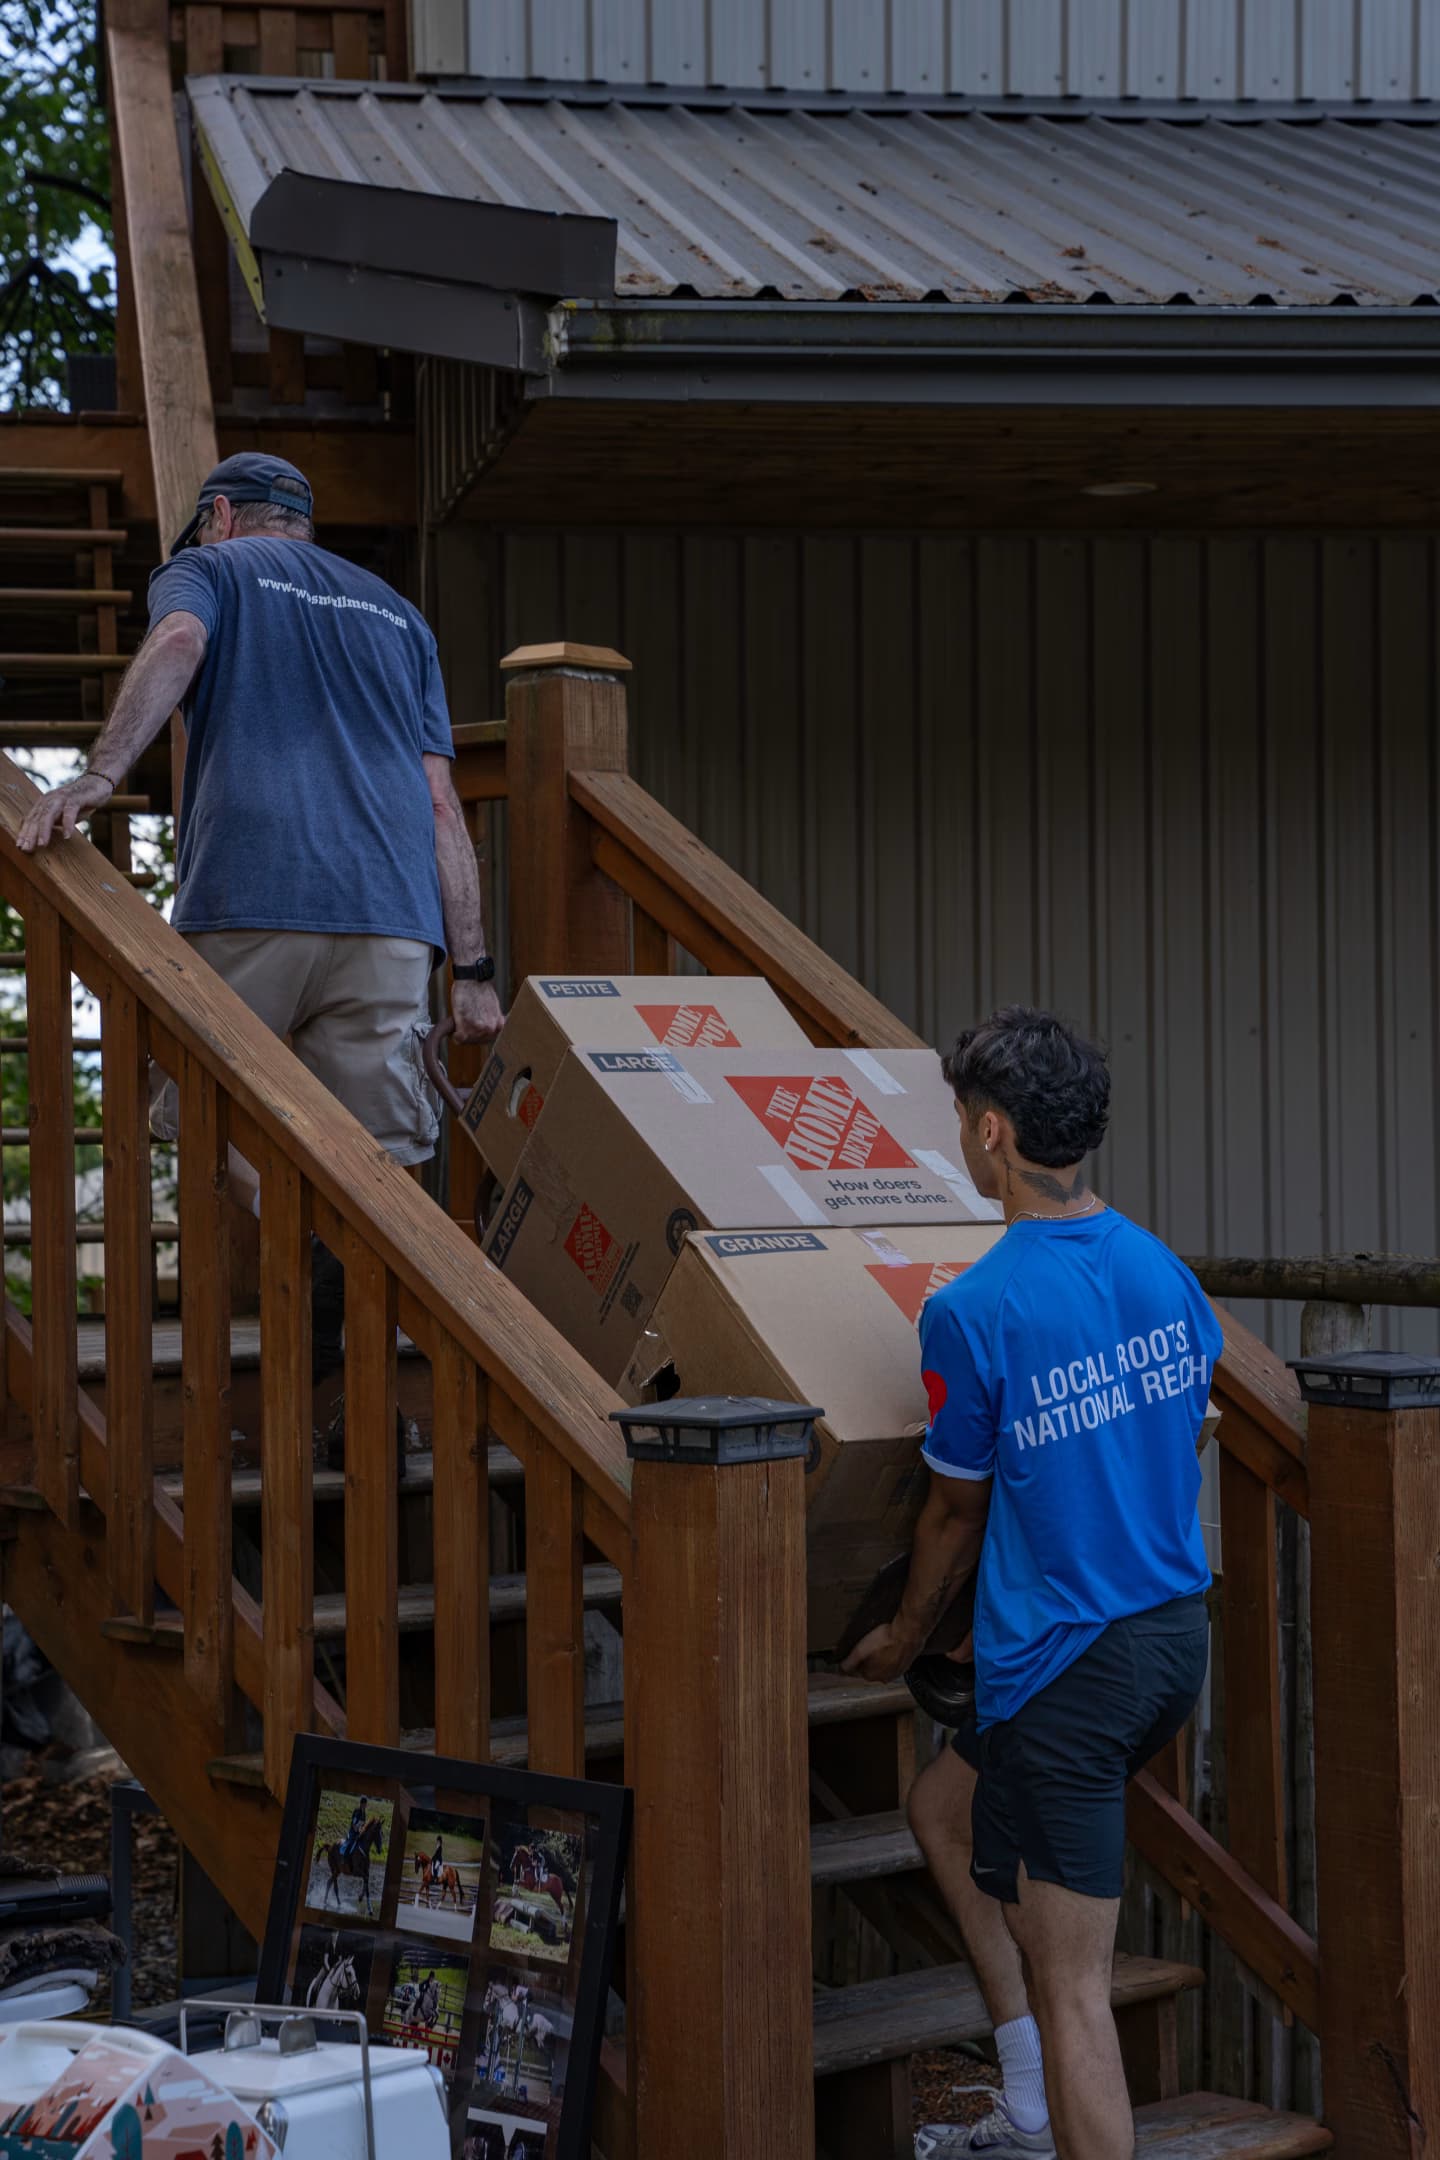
[(821, 1123)]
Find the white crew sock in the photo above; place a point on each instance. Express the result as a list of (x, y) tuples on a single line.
[(1018, 2046)]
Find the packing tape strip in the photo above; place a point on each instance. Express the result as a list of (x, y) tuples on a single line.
[(884, 1083), (887, 1254), (960, 1183), (792, 1192)]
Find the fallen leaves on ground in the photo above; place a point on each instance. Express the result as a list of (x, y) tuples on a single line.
[(68, 1827)]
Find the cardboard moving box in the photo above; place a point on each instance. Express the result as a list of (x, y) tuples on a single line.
[(552, 1013), (636, 1148), (822, 1316)]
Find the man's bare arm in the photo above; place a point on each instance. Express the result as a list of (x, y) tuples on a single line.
[(477, 1009), (153, 685), (948, 1538)]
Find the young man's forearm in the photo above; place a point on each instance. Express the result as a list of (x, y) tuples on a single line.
[(153, 685), (945, 1554)]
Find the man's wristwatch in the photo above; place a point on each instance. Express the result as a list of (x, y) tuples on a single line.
[(473, 971)]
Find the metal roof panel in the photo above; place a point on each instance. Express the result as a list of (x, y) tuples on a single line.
[(887, 203)]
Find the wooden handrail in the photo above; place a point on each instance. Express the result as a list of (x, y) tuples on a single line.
[(554, 1389), (686, 887)]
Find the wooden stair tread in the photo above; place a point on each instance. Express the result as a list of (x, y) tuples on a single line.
[(60, 476), (329, 1485), (605, 1727), (862, 1847), (63, 596), (62, 536), (1209, 2126), (165, 1347), (415, 1609), (881, 2020)]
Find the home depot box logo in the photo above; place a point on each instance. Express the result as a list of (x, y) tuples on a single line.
[(914, 1284), (689, 1027), (595, 1252), (821, 1123)]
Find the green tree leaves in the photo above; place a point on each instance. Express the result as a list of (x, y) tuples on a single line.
[(54, 197)]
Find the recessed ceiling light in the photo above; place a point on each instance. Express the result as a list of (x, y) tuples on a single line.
[(1122, 487)]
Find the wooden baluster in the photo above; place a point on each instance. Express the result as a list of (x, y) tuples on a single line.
[(52, 1208), (350, 34), (1250, 1623), (654, 952), (287, 1464), (554, 1613), (716, 1751), (129, 1349), (372, 1515), (1375, 1618), (564, 712), (205, 55), (205, 1376), (462, 1555)]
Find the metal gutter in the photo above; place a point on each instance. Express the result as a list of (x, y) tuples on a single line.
[(871, 353)]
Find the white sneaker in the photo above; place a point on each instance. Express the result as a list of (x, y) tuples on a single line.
[(995, 2135)]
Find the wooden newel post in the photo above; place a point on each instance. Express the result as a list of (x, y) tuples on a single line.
[(1374, 1462), (564, 713), (716, 1752)]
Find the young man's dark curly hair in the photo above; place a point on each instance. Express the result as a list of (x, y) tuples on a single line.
[(1051, 1083)]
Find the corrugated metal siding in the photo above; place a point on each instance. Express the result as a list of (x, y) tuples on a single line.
[(1186, 790), (988, 48)]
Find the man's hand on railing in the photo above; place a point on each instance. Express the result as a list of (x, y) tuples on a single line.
[(479, 1015), (63, 807)]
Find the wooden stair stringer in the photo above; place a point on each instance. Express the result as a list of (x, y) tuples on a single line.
[(56, 1581), (169, 1533)]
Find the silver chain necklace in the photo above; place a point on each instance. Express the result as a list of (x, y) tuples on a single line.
[(1029, 1215)]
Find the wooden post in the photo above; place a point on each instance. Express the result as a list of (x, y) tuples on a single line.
[(564, 713), (1374, 1460), (715, 1749)]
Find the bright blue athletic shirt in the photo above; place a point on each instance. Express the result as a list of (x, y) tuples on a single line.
[(1072, 1365), (306, 806)]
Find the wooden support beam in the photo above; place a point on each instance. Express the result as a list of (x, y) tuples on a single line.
[(1375, 1619), (179, 410), (716, 1751), (205, 55), (565, 714)]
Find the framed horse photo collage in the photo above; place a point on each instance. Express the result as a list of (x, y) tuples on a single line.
[(468, 1911)]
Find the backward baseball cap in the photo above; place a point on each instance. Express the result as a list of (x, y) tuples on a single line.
[(250, 476)]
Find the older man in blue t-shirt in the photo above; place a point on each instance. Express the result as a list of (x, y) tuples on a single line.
[(1068, 1374), (324, 864)]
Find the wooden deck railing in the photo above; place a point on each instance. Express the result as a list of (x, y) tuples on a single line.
[(498, 1369), (589, 828)]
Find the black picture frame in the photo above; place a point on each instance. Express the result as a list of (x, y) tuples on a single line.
[(438, 1785)]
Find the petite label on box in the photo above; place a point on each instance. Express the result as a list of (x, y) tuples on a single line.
[(577, 986)]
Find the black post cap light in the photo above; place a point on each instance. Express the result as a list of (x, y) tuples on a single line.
[(718, 1429), (1369, 1380)]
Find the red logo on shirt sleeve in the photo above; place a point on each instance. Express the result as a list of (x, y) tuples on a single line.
[(937, 1393)]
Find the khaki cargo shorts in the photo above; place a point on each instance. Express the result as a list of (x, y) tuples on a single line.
[(355, 1010)]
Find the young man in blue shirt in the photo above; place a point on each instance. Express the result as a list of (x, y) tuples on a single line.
[(1068, 1373)]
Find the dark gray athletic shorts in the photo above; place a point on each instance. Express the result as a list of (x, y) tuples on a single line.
[(1052, 1778)]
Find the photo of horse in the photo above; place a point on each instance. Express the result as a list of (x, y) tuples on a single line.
[(492, 2135), (523, 2052), (332, 1969), (535, 1878), (441, 1875), (348, 1853), (425, 2005)]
